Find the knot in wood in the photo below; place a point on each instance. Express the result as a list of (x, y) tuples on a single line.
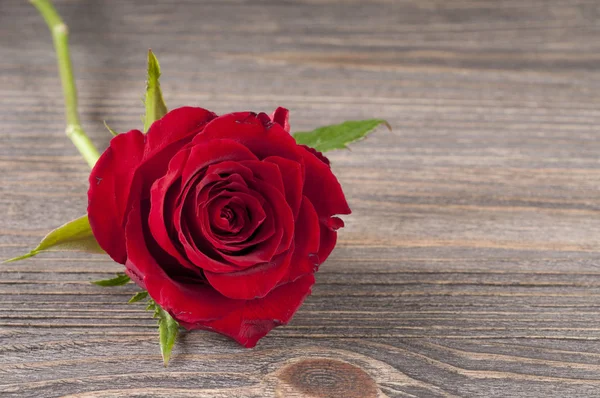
[(328, 378)]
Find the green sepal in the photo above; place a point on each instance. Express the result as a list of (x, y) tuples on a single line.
[(119, 280), (338, 136), (75, 235), (113, 132), (168, 330), (139, 296), (155, 105)]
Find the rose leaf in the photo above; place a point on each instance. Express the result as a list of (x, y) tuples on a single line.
[(168, 329), (119, 280), (75, 235), (139, 296), (338, 136), (155, 105)]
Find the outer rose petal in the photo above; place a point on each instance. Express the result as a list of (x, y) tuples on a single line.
[(281, 116), (177, 124), (247, 129), (326, 195), (328, 240), (318, 154), (322, 188), (256, 318), (164, 139), (110, 182), (253, 282)]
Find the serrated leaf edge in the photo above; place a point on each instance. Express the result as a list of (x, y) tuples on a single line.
[(318, 144)]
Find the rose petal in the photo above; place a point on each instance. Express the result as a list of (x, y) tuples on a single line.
[(267, 172), (247, 129), (256, 318), (110, 182), (253, 282), (200, 252), (165, 138), (180, 123), (163, 195), (281, 116), (306, 241), (323, 188), (318, 154), (293, 180), (328, 237)]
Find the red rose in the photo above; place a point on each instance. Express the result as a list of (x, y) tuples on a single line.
[(223, 220)]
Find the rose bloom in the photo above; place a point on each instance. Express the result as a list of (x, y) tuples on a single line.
[(222, 219)]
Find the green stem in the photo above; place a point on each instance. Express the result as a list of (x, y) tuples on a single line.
[(60, 36)]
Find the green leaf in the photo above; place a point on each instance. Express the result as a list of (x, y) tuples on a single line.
[(337, 136), (119, 280), (168, 329), (155, 105), (113, 132), (73, 236), (139, 296)]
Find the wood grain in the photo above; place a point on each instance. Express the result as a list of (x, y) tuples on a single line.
[(470, 266)]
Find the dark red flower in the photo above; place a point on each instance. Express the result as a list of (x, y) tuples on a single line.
[(224, 220)]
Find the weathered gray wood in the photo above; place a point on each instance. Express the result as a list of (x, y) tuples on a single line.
[(470, 266)]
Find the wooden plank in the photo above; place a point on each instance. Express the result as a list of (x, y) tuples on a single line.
[(470, 264)]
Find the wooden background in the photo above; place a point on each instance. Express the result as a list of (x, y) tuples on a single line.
[(470, 266)]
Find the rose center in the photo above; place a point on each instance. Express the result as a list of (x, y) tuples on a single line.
[(228, 219), (228, 215)]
